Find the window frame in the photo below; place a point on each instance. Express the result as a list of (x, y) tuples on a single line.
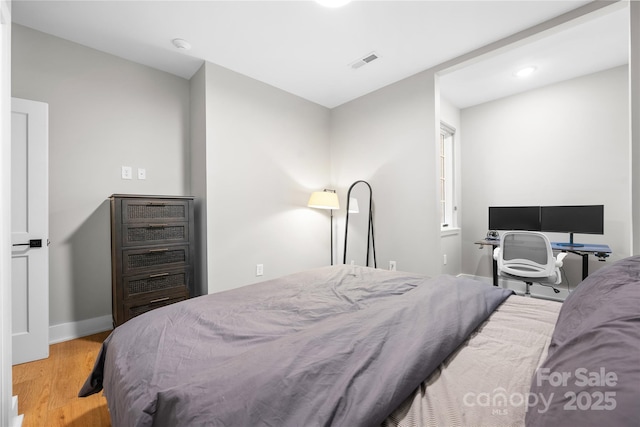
[(446, 177)]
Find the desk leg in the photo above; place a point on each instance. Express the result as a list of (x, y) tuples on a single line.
[(495, 272), (585, 265)]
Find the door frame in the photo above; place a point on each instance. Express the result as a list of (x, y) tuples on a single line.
[(8, 414)]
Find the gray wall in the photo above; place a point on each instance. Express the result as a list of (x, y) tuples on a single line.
[(266, 151), (387, 138), (258, 153), (566, 143), (198, 174), (104, 112)]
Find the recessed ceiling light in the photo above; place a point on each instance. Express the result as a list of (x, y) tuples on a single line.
[(181, 44), (526, 71), (333, 3)]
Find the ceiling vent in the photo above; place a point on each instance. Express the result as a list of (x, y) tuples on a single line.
[(364, 61)]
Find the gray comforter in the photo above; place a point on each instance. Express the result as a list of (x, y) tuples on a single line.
[(333, 346)]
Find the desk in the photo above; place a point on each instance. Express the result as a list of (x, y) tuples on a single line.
[(600, 251)]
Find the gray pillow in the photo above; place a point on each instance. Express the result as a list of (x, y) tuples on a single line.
[(591, 376)]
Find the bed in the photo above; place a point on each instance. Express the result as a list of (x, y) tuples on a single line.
[(340, 345)]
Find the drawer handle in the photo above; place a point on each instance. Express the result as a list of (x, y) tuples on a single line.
[(157, 225), (154, 251), (157, 204), (152, 276), (158, 300)]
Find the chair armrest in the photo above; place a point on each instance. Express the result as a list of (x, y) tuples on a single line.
[(496, 253), (559, 258)]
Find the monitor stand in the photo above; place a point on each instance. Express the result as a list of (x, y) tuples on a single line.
[(575, 245)]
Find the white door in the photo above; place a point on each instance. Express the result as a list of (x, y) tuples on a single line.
[(29, 230)]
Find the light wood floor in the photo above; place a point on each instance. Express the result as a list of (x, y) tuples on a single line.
[(47, 389)]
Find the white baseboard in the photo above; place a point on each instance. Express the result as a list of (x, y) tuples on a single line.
[(72, 330)]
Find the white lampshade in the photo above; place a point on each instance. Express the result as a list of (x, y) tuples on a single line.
[(324, 200), (353, 205)]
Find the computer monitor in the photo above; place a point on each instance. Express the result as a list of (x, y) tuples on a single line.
[(587, 219), (514, 218)]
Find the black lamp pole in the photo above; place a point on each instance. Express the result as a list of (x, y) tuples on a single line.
[(331, 222)]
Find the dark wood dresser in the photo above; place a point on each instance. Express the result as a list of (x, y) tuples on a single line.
[(152, 252)]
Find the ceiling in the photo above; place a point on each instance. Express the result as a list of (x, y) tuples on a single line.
[(307, 49)]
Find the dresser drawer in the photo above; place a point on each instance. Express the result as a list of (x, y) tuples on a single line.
[(138, 234), (134, 286), (154, 258), (154, 210), (133, 309)]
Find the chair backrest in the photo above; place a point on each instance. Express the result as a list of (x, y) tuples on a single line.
[(526, 254)]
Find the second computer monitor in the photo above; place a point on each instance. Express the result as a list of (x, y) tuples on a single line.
[(587, 219)]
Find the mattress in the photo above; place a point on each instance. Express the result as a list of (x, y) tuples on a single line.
[(486, 381)]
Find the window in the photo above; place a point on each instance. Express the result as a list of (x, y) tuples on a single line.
[(446, 186)]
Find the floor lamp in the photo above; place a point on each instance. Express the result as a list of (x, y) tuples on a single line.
[(355, 209), (325, 199)]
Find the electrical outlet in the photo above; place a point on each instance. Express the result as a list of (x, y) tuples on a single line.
[(392, 265), (127, 172), (259, 269), (444, 259)]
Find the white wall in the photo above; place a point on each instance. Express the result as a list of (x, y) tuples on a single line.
[(266, 151), (104, 112), (564, 144), (388, 138)]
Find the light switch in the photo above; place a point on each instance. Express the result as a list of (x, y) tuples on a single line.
[(142, 173)]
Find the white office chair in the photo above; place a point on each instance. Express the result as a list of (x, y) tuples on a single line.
[(527, 256)]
